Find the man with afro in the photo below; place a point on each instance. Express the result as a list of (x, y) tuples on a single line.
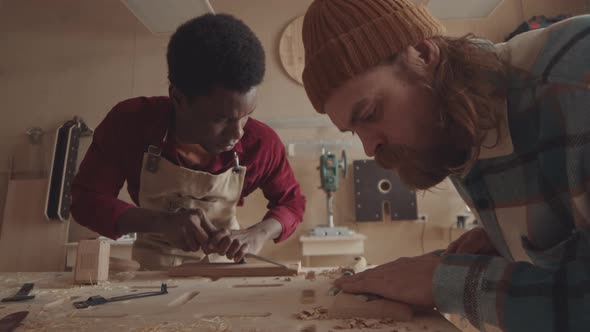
[(191, 157)]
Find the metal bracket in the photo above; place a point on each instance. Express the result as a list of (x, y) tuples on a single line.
[(98, 300), (153, 159), (22, 294)]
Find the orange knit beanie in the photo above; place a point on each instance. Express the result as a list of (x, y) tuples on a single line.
[(344, 38)]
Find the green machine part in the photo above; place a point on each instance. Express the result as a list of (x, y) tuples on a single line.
[(330, 170)]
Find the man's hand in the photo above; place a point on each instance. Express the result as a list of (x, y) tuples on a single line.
[(188, 230), (407, 280), (236, 244), (476, 242)]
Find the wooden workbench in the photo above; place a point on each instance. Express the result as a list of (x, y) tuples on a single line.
[(193, 304)]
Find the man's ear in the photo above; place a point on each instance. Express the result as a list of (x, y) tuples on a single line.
[(176, 97), (424, 56)]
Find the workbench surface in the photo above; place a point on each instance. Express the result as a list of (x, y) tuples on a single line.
[(192, 304)]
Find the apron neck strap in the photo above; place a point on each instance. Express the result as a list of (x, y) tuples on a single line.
[(156, 150)]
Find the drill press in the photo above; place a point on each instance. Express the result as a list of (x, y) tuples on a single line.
[(330, 170)]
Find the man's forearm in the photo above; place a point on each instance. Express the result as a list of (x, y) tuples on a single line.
[(271, 227), (138, 220)]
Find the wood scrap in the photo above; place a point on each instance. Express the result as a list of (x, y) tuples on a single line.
[(347, 306), (359, 265), (92, 261), (317, 313), (360, 323), (332, 274), (221, 270)]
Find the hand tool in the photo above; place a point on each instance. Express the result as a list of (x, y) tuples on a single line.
[(10, 322), (264, 259), (98, 300), (22, 294)]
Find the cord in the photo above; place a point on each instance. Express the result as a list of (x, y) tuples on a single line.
[(422, 237)]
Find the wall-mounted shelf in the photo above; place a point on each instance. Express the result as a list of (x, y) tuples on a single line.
[(461, 9)]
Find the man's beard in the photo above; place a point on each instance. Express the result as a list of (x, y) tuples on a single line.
[(422, 169)]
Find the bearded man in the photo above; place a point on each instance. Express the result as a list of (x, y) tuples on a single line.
[(508, 123)]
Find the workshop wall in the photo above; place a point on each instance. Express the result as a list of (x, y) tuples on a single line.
[(62, 58)]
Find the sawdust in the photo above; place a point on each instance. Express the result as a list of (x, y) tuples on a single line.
[(360, 323), (333, 273), (209, 325), (62, 325), (317, 313)]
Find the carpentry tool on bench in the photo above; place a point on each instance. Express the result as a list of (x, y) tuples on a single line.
[(22, 294), (98, 300), (11, 322), (264, 259)]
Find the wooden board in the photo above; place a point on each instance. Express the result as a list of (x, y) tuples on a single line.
[(223, 270), (347, 306), (291, 50), (29, 242)]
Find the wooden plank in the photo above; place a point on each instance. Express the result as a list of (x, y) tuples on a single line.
[(224, 270), (347, 306), (29, 242)]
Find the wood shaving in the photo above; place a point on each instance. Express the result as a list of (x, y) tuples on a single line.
[(317, 313), (332, 274), (209, 325), (360, 323)]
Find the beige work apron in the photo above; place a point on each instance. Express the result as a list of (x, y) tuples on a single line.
[(165, 186)]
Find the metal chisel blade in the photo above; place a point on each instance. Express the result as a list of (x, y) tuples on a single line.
[(268, 260)]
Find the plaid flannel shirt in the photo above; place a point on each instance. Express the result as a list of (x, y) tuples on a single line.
[(531, 192)]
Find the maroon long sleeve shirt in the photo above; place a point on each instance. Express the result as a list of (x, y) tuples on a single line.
[(116, 155)]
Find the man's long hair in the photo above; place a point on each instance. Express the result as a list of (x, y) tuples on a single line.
[(468, 87)]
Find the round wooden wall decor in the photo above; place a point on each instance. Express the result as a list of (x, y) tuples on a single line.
[(291, 50)]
